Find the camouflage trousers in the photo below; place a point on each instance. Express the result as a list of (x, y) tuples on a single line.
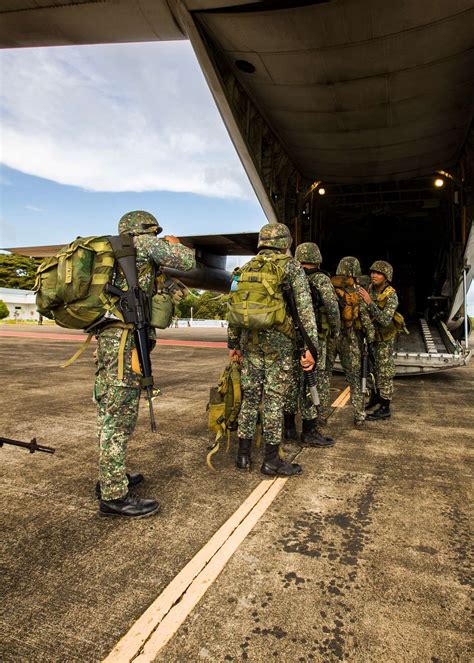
[(266, 372), (384, 368), (117, 410), (349, 347), (298, 396)]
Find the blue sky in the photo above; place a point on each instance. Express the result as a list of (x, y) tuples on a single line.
[(91, 132)]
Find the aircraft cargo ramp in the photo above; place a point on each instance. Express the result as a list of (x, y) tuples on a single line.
[(365, 557)]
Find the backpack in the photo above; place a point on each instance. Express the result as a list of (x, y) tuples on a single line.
[(256, 299), (348, 300), (70, 286), (224, 407)]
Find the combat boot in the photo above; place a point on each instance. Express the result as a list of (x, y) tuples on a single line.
[(382, 412), (133, 480), (373, 400), (243, 459), (289, 430), (274, 466), (130, 506), (311, 437)]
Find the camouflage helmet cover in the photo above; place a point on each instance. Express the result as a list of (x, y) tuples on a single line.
[(308, 252), (138, 223), (275, 235), (349, 266), (384, 268)]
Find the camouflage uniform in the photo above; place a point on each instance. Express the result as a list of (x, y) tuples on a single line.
[(349, 343), (382, 310), (329, 325), (117, 397), (268, 357)]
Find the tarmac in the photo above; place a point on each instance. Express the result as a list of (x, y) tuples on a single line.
[(365, 557)]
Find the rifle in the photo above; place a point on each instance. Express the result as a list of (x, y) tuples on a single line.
[(303, 341), (134, 304), (368, 363), (32, 446)]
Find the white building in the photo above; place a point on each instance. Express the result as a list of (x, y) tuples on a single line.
[(20, 303)]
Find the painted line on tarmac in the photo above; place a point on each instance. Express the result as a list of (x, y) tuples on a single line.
[(343, 398), (76, 337), (155, 628)]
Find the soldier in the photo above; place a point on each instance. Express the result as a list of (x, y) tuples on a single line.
[(355, 323), (117, 386), (329, 325), (382, 303), (267, 360)]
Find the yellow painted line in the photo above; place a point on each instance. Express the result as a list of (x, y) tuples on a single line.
[(132, 642), (204, 580), (150, 633), (343, 398)]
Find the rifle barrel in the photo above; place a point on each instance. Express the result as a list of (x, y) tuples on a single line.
[(32, 446)]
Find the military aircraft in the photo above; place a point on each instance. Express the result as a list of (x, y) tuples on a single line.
[(352, 119)]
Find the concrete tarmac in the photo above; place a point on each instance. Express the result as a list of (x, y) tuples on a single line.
[(365, 557)]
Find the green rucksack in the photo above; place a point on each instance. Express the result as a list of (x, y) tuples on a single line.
[(256, 298), (70, 286), (224, 407)]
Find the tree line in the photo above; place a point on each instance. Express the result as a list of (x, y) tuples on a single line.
[(19, 272)]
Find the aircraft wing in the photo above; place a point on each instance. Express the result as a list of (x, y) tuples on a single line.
[(211, 252), (229, 244)]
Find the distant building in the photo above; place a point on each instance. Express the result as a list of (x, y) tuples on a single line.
[(20, 303)]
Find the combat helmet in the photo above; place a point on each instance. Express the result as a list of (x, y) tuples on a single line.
[(308, 252), (349, 266), (274, 235), (138, 223), (384, 268)]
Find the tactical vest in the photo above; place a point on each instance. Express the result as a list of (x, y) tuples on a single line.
[(256, 298), (396, 326), (348, 300)]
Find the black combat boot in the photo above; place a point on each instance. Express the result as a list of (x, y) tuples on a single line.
[(373, 400), (274, 466), (311, 437), (130, 506), (133, 480), (289, 429), (382, 412), (243, 460)]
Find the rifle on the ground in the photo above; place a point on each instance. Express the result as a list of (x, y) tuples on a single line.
[(303, 341), (135, 306), (32, 446)]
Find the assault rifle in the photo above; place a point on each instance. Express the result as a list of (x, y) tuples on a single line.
[(135, 305), (32, 446), (368, 364), (303, 341)]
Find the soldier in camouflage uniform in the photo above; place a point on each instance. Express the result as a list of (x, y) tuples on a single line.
[(350, 341), (267, 362), (382, 302), (118, 384), (329, 325)]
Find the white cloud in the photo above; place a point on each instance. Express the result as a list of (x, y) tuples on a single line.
[(134, 117), (33, 208)]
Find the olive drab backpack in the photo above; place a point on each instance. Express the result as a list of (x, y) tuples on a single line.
[(348, 300), (256, 298), (70, 286), (224, 407)]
